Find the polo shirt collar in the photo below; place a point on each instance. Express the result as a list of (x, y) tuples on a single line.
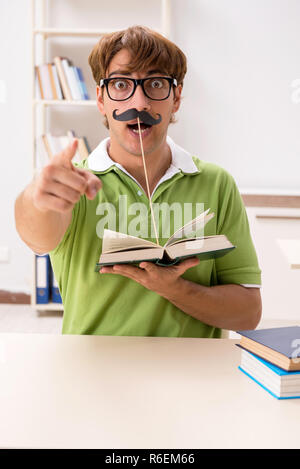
[(99, 160)]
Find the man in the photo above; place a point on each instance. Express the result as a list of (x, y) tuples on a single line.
[(61, 211)]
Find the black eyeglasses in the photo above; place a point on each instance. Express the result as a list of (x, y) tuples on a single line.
[(156, 88)]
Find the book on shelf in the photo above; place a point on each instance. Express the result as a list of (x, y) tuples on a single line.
[(48, 145), (72, 81), (120, 248), (279, 383), (38, 84), (55, 293), (47, 290), (42, 279), (55, 85), (83, 149), (82, 84), (60, 80), (279, 346), (44, 80)]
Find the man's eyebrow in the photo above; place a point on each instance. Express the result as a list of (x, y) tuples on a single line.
[(126, 72), (119, 72), (160, 72)]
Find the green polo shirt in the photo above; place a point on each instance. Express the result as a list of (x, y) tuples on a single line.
[(110, 304)]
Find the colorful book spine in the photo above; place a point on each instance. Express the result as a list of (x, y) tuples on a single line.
[(60, 80), (82, 84), (276, 381)]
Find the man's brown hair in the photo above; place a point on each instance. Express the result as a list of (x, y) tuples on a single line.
[(147, 49)]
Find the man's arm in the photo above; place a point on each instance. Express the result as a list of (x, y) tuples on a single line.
[(231, 307), (43, 211)]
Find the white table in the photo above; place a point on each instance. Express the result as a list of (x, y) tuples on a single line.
[(291, 250), (129, 392)]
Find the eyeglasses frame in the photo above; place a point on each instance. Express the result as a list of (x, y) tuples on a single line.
[(136, 82)]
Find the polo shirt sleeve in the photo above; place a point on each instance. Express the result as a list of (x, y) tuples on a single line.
[(240, 266)]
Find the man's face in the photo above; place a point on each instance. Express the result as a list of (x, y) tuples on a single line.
[(120, 132)]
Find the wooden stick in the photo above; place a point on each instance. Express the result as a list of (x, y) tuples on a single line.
[(147, 183)]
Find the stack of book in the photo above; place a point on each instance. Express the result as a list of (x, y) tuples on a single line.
[(271, 357), (60, 80), (47, 290), (48, 145)]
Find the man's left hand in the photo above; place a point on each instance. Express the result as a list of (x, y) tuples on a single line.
[(162, 280)]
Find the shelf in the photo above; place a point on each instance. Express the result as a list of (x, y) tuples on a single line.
[(51, 32), (40, 32), (65, 102)]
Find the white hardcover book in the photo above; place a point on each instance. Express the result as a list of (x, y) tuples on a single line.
[(46, 83), (54, 143), (71, 80)]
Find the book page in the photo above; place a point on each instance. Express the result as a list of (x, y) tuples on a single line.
[(199, 245), (114, 241), (148, 254), (191, 228)]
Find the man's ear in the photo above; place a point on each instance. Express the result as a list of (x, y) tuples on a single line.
[(100, 102), (177, 98)]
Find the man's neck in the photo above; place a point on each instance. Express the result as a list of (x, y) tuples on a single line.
[(157, 163)]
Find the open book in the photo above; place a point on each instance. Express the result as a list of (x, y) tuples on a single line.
[(120, 248)]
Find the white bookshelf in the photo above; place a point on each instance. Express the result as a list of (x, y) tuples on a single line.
[(40, 33), (51, 32)]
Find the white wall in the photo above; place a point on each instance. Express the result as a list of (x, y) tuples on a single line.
[(238, 108), (15, 129), (243, 57)]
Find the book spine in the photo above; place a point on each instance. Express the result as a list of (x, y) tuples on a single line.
[(76, 84), (56, 81), (37, 93), (46, 81), (71, 135), (40, 94), (82, 83), (71, 79), (87, 145), (55, 293), (52, 82), (75, 70), (47, 146), (42, 279), (54, 143), (82, 149), (62, 78)]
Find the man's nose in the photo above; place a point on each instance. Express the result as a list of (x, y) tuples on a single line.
[(139, 100)]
